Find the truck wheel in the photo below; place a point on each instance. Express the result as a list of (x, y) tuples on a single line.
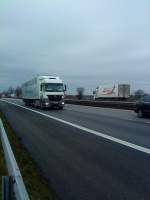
[(140, 113), (41, 106), (60, 108)]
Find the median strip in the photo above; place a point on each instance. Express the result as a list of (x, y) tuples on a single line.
[(106, 104)]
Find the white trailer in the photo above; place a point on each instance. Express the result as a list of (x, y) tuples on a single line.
[(44, 91), (114, 91)]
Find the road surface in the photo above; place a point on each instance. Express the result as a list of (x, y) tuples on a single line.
[(85, 152)]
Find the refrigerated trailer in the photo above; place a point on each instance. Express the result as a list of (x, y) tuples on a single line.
[(44, 91), (114, 91)]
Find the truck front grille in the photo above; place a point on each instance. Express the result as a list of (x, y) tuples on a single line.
[(54, 97)]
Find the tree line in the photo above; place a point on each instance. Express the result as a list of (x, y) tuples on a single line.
[(12, 92), (17, 92)]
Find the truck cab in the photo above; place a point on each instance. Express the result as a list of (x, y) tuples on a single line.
[(52, 93)]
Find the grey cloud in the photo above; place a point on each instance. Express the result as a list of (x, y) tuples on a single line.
[(85, 42)]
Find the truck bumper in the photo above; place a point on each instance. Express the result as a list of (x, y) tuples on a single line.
[(52, 104)]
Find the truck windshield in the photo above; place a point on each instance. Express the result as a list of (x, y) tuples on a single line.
[(54, 87)]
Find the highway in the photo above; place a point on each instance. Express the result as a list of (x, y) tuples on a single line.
[(86, 153)]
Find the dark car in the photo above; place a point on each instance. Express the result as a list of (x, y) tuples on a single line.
[(142, 107)]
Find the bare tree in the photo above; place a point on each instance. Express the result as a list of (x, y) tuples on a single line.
[(5, 93), (10, 90), (139, 93), (80, 93), (18, 91)]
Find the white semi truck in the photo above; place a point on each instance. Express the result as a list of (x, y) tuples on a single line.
[(44, 91), (114, 91)]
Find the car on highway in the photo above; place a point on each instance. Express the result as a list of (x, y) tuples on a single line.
[(142, 107)]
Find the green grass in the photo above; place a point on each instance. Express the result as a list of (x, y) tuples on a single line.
[(37, 186), (3, 170)]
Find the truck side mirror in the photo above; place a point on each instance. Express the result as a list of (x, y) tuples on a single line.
[(94, 92), (41, 87), (65, 88)]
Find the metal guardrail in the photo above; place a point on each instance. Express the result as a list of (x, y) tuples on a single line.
[(106, 104), (17, 183)]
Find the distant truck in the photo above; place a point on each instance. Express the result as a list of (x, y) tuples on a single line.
[(112, 92), (44, 92)]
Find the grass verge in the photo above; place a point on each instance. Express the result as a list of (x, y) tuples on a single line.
[(3, 170), (37, 186)]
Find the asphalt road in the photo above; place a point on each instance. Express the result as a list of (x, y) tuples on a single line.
[(73, 151)]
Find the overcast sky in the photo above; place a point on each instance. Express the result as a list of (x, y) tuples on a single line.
[(86, 42)]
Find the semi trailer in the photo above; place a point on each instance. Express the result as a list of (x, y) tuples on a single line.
[(44, 92), (114, 91)]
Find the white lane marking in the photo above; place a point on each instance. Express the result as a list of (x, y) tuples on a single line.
[(113, 139), (121, 118)]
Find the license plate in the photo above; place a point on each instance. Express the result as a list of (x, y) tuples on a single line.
[(55, 102)]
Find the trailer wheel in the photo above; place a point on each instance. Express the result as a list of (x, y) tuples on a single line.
[(34, 104), (26, 103)]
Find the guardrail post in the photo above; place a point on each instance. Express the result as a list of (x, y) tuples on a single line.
[(7, 188)]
